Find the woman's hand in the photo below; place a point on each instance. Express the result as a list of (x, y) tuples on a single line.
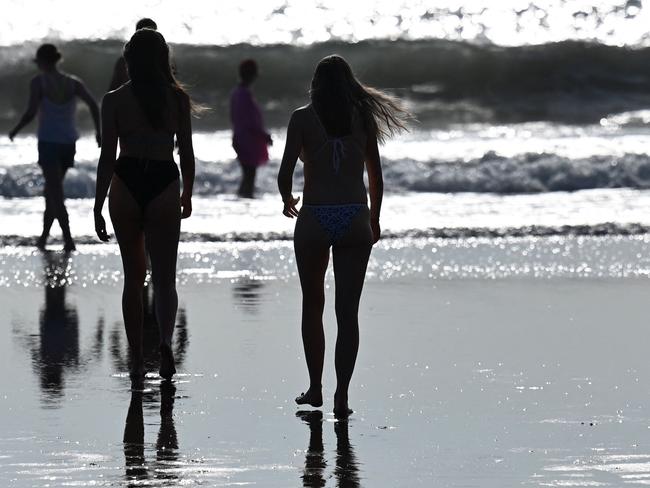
[(100, 227), (290, 209), (376, 230), (186, 205), (12, 134)]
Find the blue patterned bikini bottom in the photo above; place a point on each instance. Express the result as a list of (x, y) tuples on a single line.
[(335, 219)]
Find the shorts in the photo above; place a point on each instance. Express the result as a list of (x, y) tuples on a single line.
[(56, 153)]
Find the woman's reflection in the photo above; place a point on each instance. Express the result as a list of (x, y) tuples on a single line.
[(137, 467), (347, 467), (58, 349), (313, 473), (55, 349), (247, 294), (346, 471)]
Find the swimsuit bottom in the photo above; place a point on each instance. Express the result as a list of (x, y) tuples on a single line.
[(335, 219), (56, 153), (145, 178)]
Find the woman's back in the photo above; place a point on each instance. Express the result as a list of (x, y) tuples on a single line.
[(333, 166), (137, 137)]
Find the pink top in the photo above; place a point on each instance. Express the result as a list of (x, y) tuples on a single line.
[(249, 139)]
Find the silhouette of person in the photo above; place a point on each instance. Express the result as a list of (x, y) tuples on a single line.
[(53, 95), (145, 114), (250, 139), (335, 135), (58, 347), (120, 73), (166, 444), (346, 470), (121, 76), (347, 466), (313, 475)]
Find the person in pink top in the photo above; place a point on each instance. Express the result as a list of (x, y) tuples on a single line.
[(250, 139)]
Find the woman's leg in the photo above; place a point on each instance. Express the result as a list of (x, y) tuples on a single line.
[(162, 230), (247, 185), (312, 256), (350, 259), (126, 216), (55, 204), (251, 171)]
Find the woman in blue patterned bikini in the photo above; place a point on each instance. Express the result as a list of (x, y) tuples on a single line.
[(336, 136)]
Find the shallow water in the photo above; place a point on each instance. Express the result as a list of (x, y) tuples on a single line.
[(460, 382)]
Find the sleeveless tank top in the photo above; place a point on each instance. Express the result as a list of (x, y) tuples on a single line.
[(56, 121)]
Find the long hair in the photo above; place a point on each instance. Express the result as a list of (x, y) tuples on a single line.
[(336, 93), (147, 59)]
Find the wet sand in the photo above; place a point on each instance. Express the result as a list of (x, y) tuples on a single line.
[(460, 382)]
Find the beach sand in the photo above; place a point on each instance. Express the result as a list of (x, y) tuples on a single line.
[(459, 382)]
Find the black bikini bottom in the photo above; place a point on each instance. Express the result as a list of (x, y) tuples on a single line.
[(145, 178)]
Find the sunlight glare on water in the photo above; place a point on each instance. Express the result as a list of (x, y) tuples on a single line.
[(507, 22)]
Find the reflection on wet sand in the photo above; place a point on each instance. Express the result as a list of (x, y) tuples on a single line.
[(150, 340), (58, 348), (55, 350), (347, 466), (138, 469), (246, 294), (346, 471)]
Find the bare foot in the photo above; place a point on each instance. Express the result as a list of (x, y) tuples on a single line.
[(167, 364), (40, 243), (69, 246), (341, 409), (313, 397)]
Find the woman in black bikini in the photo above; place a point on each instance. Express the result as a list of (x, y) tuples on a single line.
[(335, 136), (145, 115)]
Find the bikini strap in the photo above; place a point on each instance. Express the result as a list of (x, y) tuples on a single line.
[(338, 146), (319, 122)]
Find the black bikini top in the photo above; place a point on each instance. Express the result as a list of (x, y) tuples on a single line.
[(338, 144)]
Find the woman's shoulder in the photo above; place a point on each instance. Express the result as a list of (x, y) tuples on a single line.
[(119, 92), (301, 112)]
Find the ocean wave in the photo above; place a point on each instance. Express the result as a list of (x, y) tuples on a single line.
[(492, 173), (443, 81), (506, 22)]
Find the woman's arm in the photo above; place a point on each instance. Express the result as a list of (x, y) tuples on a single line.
[(82, 92), (292, 148), (32, 107), (186, 154), (375, 185), (106, 163)]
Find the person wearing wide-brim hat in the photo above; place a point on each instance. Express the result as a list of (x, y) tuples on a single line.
[(53, 95)]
